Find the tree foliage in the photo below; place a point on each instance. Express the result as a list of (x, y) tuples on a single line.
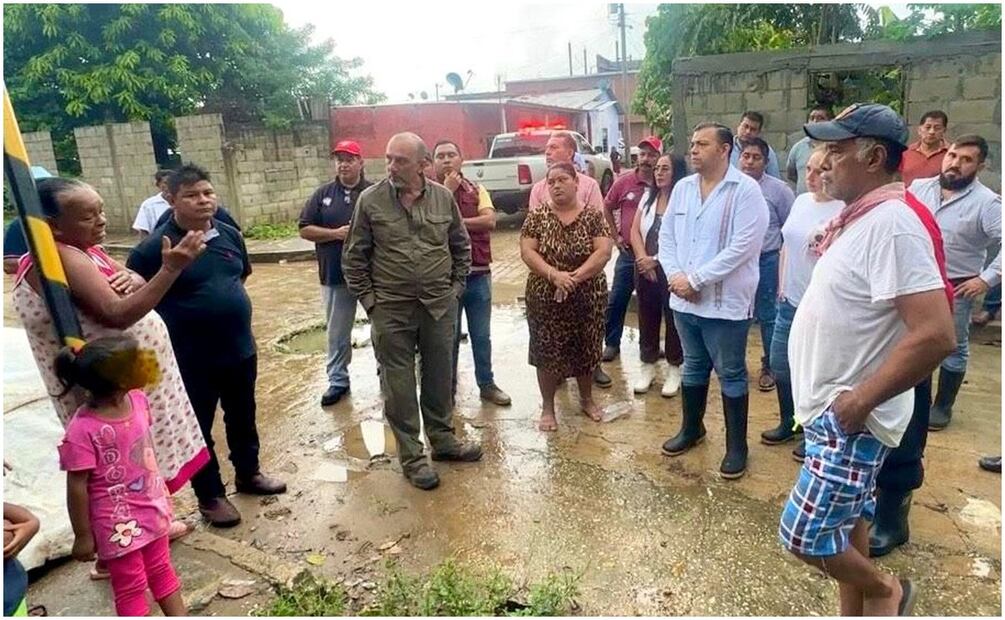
[(71, 65), (683, 30)]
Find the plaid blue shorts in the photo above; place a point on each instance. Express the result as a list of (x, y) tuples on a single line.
[(835, 488)]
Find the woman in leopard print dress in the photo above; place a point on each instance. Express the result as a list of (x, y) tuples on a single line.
[(566, 247)]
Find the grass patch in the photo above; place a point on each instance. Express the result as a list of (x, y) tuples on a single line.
[(450, 589), (308, 597), (284, 230)]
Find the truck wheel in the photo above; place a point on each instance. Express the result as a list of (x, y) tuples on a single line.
[(606, 182)]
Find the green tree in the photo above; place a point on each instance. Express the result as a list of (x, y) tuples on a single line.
[(683, 30), (72, 65)]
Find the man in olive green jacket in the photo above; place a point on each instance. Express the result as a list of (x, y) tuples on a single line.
[(407, 259)]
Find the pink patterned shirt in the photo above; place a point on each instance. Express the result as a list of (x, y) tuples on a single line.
[(128, 498)]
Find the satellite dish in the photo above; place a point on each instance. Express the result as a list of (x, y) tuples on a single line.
[(423, 95), (455, 80)]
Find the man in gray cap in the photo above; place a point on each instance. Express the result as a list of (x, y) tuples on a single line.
[(874, 322)]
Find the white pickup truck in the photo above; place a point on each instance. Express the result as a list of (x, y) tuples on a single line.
[(516, 162)]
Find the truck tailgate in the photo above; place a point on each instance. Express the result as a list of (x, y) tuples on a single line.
[(493, 175)]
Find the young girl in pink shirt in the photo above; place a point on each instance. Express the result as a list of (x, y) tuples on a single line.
[(118, 501)]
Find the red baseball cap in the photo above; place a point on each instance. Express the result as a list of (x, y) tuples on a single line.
[(652, 142), (349, 147)]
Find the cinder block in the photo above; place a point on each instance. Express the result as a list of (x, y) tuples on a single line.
[(982, 87), (979, 111), (765, 101), (935, 89)]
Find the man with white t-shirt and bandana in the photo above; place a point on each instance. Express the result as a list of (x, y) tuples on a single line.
[(874, 322)]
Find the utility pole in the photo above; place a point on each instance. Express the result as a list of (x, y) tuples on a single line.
[(570, 57), (585, 68), (502, 107), (624, 84)]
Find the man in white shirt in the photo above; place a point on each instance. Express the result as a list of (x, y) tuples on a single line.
[(153, 207), (874, 322), (970, 218), (709, 245)]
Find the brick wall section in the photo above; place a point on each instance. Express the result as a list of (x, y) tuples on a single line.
[(959, 74), (968, 89), (40, 151), (118, 160), (262, 175), (200, 142)]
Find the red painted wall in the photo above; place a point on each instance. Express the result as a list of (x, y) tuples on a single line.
[(472, 125)]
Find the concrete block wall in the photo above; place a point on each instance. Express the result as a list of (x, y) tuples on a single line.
[(276, 171), (968, 89), (960, 74), (118, 160), (40, 151), (200, 141)]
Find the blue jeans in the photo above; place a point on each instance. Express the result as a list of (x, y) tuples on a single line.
[(621, 294), (780, 341), (714, 343), (957, 362), (476, 303), (765, 301), (340, 313)]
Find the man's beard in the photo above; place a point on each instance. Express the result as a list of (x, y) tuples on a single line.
[(956, 184)]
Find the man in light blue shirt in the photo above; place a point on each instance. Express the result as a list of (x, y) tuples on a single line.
[(970, 218), (751, 124), (709, 244), (799, 154), (779, 198)]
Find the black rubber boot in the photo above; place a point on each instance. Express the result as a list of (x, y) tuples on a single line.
[(942, 408), (890, 529), (692, 429), (783, 432), (734, 464)]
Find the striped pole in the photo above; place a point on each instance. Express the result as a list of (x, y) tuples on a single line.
[(36, 230)]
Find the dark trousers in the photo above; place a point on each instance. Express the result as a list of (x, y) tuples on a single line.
[(233, 387), (653, 309), (903, 469)]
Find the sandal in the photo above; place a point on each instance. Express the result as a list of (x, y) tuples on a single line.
[(766, 382), (908, 598)]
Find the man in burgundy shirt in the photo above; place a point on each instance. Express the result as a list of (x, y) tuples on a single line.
[(620, 204), (923, 159), (479, 218)]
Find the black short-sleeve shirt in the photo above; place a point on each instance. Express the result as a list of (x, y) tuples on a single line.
[(331, 206), (207, 310)]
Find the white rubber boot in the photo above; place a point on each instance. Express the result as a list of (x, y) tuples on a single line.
[(671, 384), (648, 373)]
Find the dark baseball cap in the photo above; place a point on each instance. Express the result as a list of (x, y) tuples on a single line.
[(861, 120)]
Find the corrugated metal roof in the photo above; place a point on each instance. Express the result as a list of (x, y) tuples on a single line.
[(584, 100)]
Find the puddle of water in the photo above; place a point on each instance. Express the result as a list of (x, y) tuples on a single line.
[(332, 472), (367, 441), (981, 568), (315, 339), (981, 513)]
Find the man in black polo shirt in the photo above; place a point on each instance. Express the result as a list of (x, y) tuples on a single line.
[(208, 315), (325, 221)]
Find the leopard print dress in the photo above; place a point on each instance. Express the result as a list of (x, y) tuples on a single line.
[(566, 339)]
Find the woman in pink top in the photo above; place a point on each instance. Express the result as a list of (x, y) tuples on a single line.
[(117, 499), (111, 300)]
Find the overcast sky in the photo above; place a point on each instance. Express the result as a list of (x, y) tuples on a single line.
[(410, 47)]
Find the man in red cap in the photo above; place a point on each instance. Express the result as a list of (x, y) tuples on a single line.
[(620, 204), (325, 221)]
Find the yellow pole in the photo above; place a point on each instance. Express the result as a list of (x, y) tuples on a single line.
[(41, 244)]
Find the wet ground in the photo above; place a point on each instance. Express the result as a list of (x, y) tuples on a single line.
[(651, 535)]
